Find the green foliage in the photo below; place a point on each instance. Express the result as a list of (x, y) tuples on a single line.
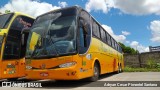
[(158, 65), (131, 69), (127, 49), (7, 11), (151, 63)]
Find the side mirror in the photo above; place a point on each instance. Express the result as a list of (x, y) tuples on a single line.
[(24, 31)]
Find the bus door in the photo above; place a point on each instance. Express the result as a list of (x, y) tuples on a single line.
[(84, 41), (2, 36), (24, 39)]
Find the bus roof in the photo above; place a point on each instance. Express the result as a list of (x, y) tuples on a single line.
[(19, 13), (76, 6)]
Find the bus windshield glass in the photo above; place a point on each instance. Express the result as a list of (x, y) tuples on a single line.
[(53, 34), (4, 20)]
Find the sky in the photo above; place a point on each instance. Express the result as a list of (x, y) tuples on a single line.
[(135, 23)]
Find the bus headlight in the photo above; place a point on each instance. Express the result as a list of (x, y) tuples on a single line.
[(28, 67), (65, 65)]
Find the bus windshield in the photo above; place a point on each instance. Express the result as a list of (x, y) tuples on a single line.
[(4, 20), (52, 34)]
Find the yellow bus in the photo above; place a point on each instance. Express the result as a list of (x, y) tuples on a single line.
[(12, 49), (69, 44)]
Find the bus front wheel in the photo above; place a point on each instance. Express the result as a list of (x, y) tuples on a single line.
[(96, 73)]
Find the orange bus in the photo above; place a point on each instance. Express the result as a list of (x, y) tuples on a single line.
[(12, 50), (69, 44)]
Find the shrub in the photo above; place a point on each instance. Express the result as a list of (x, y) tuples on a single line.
[(151, 63)]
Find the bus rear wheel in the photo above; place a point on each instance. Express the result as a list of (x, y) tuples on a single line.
[(119, 69), (96, 73)]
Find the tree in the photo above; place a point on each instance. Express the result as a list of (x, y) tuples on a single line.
[(7, 11), (128, 50)]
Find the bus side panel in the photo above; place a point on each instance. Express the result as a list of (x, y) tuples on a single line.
[(22, 67), (122, 62), (0, 69), (84, 66), (106, 55)]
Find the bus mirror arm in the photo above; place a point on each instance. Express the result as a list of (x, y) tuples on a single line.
[(24, 31), (81, 19)]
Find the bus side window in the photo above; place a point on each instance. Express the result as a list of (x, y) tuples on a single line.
[(84, 37), (84, 32)]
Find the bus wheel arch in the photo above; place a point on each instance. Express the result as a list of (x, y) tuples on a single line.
[(96, 71)]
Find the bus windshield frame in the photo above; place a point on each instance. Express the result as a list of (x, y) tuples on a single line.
[(54, 35), (1, 41), (5, 20)]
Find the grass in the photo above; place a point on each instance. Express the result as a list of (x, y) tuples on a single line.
[(151, 66), (130, 69)]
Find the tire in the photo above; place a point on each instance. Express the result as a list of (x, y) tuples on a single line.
[(96, 74), (119, 69), (12, 79)]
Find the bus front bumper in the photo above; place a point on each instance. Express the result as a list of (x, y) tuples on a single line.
[(55, 74)]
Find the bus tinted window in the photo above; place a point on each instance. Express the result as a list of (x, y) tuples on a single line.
[(86, 21), (112, 42), (12, 48), (109, 39), (103, 35), (116, 46), (13, 43), (96, 29), (19, 24)]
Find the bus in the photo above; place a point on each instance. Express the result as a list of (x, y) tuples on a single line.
[(12, 49), (69, 44)]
